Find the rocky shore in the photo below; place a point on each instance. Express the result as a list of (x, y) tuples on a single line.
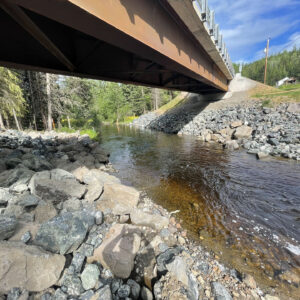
[(262, 131), (71, 230)]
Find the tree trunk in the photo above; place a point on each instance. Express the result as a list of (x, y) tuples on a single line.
[(58, 123), (156, 98), (49, 104), (16, 120), (32, 99), (69, 123), (7, 123), (1, 122)]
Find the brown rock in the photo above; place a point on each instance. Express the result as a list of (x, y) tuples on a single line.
[(236, 124), (94, 192), (28, 267), (243, 132), (22, 228), (80, 172), (250, 281), (121, 199), (118, 250), (44, 212)]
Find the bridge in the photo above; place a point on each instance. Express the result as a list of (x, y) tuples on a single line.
[(173, 44)]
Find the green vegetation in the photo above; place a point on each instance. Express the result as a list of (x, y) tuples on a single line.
[(90, 132), (285, 64), (273, 96), (43, 101)]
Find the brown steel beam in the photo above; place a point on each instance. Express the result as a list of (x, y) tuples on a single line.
[(141, 27), (23, 20)]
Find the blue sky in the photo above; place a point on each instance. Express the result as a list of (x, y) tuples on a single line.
[(246, 25)]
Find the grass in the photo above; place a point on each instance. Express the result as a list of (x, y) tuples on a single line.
[(90, 132), (274, 96)]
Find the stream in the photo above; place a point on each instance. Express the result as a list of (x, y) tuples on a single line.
[(245, 210)]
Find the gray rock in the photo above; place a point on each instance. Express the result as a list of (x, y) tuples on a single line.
[(77, 261), (86, 249), (146, 294), (87, 295), (60, 295), (231, 145), (56, 188), (124, 291), (8, 226), (5, 196), (26, 237), (90, 276), (99, 217), (73, 284), (219, 291), (104, 293), (14, 294), (64, 233), (16, 176), (262, 155), (28, 200), (134, 288), (166, 257)]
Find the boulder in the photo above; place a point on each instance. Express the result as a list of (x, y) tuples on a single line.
[(118, 250), (236, 124), (90, 276), (5, 196), (80, 172), (95, 176), (94, 191), (35, 163), (103, 294), (44, 212), (231, 145), (64, 233), (294, 108), (262, 155), (15, 176), (8, 226), (24, 227), (120, 199), (28, 267), (56, 186), (28, 200), (243, 132), (219, 291), (157, 222)]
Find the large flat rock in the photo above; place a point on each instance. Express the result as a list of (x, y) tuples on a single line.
[(118, 250), (118, 198), (28, 267), (138, 217)]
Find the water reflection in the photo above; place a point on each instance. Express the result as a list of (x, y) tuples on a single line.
[(245, 210)]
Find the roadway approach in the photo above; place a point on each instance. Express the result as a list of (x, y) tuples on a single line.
[(172, 44)]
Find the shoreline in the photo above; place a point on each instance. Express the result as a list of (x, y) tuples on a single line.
[(162, 257)]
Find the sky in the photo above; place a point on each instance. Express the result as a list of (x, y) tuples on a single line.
[(247, 24)]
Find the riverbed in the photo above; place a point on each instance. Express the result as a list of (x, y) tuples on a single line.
[(245, 210)]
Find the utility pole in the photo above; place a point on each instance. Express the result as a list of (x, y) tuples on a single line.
[(266, 62)]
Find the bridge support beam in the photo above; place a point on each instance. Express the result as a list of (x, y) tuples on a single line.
[(148, 29)]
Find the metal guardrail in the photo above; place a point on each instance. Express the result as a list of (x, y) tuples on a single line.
[(207, 16)]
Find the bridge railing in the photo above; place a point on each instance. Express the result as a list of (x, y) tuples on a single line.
[(207, 16)]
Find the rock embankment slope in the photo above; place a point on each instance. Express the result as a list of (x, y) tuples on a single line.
[(235, 121), (70, 230)]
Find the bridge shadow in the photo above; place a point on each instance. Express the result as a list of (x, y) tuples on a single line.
[(176, 118)]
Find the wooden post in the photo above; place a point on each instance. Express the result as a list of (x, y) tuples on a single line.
[(266, 62)]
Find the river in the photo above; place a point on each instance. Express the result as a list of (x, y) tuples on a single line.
[(245, 210)]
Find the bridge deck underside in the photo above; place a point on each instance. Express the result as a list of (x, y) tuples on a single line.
[(86, 55)]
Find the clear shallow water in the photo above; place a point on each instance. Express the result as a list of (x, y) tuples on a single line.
[(246, 211)]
